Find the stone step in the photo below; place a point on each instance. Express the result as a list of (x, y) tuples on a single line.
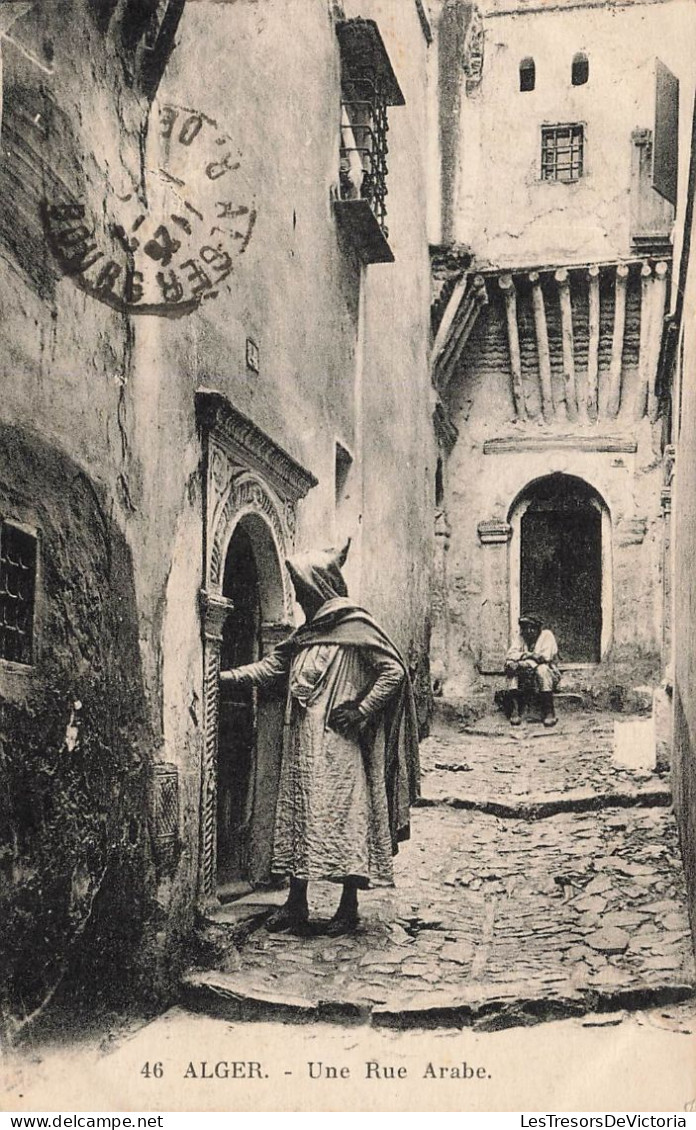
[(526, 807), (573, 696), (482, 1006)]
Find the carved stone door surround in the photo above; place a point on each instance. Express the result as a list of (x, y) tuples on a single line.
[(244, 474)]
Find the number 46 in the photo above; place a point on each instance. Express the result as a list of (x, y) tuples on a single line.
[(156, 1070)]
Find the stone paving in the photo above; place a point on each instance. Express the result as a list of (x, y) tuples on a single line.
[(494, 920), (492, 764)]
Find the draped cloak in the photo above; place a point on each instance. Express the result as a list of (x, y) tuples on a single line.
[(388, 736), (347, 625)]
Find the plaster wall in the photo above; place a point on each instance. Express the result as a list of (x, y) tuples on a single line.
[(684, 631), (483, 486), (504, 211), (341, 349)]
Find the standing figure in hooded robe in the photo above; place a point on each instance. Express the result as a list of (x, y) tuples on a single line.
[(349, 768)]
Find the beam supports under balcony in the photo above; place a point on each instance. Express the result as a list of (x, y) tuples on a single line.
[(658, 313), (646, 283), (593, 344), (543, 352), (571, 395), (595, 358), (507, 285), (617, 343), (465, 304)]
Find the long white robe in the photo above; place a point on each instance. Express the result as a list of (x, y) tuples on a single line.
[(331, 816)]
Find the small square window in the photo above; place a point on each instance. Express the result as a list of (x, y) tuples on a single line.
[(18, 560), (562, 152)]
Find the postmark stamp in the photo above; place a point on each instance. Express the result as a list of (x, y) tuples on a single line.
[(173, 247)]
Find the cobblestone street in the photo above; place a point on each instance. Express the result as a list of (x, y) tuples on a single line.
[(502, 914)]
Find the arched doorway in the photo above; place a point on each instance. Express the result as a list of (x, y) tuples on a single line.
[(251, 488), (247, 743), (561, 564)]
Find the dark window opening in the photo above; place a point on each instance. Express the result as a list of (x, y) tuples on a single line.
[(562, 152), (580, 71), (527, 74), (18, 558), (343, 464)]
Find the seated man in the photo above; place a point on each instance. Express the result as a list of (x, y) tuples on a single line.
[(531, 667)]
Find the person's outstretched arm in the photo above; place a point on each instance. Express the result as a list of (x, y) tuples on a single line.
[(264, 673)]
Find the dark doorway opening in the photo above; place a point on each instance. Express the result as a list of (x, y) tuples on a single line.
[(241, 643), (561, 564)]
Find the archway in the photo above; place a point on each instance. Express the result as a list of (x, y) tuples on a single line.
[(252, 584), (250, 484), (561, 564)]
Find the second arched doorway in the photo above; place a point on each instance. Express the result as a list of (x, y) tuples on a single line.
[(561, 563)]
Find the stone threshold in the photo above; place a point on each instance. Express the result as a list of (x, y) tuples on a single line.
[(227, 997), (244, 916), (551, 804)]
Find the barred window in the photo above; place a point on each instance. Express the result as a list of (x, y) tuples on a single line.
[(18, 560), (562, 152), (368, 88)]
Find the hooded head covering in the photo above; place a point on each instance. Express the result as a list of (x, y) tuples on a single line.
[(319, 571)]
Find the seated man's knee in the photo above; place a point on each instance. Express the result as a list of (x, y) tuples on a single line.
[(527, 680), (545, 680)]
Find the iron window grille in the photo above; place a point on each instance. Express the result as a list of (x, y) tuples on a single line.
[(562, 152), (18, 561), (368, 88), (364, 149)]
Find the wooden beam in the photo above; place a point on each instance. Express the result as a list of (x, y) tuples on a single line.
[(615, 369), (591, 398), (571, 395), (507, 285), (644, 348), (451, 308), (658, 313), (543, 354), (464, 321)]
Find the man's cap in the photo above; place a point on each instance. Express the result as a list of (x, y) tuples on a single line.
[(531, 618)]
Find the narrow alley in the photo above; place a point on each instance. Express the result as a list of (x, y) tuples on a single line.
[(542, 880)]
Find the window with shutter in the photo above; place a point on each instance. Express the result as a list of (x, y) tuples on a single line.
[(666, 137)]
